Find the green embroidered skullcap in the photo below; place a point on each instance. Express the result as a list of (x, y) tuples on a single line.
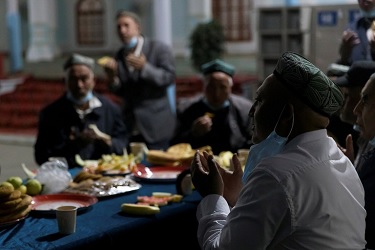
[(309, 83), (79, 59), (217, 65)]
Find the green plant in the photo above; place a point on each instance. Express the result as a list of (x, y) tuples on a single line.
[(206, 43)]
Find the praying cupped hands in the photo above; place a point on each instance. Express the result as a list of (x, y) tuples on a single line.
[(232, 180), (210, 178), (205, 175)]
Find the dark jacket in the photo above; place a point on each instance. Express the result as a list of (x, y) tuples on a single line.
[(362, 50), (367, 176), (56, 121)]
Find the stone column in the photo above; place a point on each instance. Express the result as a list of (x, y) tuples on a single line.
[(163, 32), (14, 36), (199, 11), (42, 31), (162, 21)]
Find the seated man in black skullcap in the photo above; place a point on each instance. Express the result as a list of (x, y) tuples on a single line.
[(218, 118), (298, 190), (80, 121)]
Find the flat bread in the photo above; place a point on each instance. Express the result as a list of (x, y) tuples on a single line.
[(161, 162), (177, 154), (21, 204), (10, 204), (6, 190), (167, 156), (180, 149), (103, 60), (98, 132), (13, 195), (14, 215)]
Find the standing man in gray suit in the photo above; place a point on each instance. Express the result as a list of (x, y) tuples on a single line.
[(141, 73)]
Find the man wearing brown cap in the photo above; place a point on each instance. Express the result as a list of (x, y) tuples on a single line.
[(218, 118), (301, 191), (80, 121)]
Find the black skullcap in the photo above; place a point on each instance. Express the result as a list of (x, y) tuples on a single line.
[(79, 59), (309, 83), (357, 75), (217, 65)]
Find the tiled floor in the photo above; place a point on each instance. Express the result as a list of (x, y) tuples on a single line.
[(11, 158)]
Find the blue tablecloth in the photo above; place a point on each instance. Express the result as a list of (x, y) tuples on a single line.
[(102, 225)]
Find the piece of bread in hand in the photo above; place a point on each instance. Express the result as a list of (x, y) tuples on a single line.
[(103, 60), (99, 133)]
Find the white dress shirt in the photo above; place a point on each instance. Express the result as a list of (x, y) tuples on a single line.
[(307, 197)]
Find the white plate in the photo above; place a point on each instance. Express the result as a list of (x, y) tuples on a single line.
[(49, 202), (157, 174)]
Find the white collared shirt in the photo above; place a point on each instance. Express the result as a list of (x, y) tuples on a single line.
[(93, 103), (307, 197)]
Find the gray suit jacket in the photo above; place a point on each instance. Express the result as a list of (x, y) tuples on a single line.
[(146, 104)]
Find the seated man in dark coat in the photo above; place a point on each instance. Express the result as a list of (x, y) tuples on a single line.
[(80, 121), (365, 112), (219, 118)]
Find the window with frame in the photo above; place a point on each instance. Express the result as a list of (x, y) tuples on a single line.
[(90, 22), (234, 16)]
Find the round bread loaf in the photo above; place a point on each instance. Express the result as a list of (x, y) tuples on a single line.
[(13, 195), (16, 205), (10, 204), (6, 190), (16, 214)]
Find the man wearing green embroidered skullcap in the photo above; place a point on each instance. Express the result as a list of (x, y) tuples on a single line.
[(298, 190), (218, 65), (217, 118)]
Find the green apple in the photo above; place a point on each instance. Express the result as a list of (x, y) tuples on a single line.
[(34, 187), (23, 189), (16, 181)]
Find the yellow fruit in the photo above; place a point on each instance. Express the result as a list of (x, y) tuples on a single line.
[(16, 181), (23, 189), (34, 187), (138, 209), (176, 198)]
